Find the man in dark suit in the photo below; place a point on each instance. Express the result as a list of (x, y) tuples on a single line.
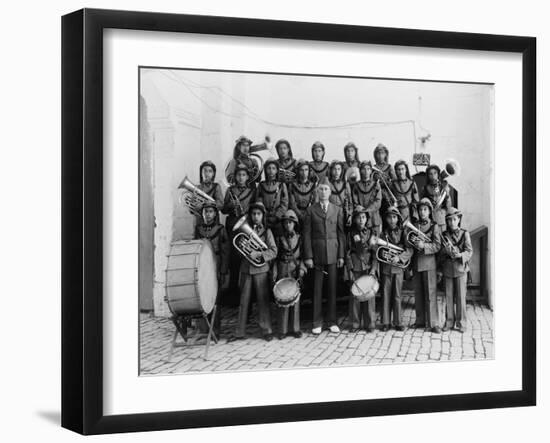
[(324, 240)]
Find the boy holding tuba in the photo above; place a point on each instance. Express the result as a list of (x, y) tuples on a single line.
[(427, 243), (392, 268), (256, 277)]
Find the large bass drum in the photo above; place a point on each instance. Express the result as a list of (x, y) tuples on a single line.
[(191, 280)]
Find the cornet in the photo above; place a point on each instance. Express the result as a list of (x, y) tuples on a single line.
[(247, 241), (386, 251), (193, 197), (414, 235), (352, 175), (286, 175)]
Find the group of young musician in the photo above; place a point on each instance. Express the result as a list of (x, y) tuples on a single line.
[(328, 220)]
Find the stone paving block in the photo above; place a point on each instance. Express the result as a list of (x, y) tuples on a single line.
[(326, 349)]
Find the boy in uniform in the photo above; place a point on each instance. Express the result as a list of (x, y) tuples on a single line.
[(289, 264), (425, 269), (319, 167), (439, 193), (367, 193), (302, 191), (211, 229), (273, 194), (381, 156), (405, 191), (361, 260), (392, 273), (324, 243), (455, 256), (286, 161), (256, 277)]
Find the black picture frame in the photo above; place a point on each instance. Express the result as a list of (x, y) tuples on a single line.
[(82, 220)]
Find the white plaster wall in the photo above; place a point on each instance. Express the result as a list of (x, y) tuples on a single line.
[(207, 111)]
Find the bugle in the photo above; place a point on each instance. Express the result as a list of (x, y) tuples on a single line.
[(193, 197), (247, 241), (386, 251)]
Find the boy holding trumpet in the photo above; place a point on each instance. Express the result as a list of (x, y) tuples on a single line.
[(455, 256)]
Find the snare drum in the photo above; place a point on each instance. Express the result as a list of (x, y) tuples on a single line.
[(286, 292), (365, 288)]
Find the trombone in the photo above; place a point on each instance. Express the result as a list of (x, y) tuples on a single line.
[(381, 178)]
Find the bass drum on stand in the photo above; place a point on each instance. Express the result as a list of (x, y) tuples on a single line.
[(191, 277)]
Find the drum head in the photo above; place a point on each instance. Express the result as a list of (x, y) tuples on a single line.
[(365, 287), (286, 292), (207, 279)]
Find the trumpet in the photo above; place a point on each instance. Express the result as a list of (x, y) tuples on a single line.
[(386, 251), (448, 245), (414, 235), (193, 197), (247, 241), (286, 175), (238, 207), (383, 180)]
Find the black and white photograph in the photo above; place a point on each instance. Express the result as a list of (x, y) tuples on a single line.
[(304, 221)]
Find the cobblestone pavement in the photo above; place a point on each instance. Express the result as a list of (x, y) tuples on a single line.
[(326, 349)]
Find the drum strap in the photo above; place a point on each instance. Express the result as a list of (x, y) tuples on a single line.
[(318, 171), (298, 191), (336, 191), (364, 191)]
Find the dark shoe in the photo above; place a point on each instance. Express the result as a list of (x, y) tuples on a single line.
[(235, 338), (280, 335), (445, 328), (268, 337), (419, 325), (297, 334), (400, 328), (385, 328), (352, 330), (371, 329), (436, 330), (462, 329)]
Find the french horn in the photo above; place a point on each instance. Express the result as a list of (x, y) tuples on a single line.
[(247, 241), (193, 197), (386, 251)]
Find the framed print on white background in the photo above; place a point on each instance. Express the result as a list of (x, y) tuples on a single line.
[(142, 92)]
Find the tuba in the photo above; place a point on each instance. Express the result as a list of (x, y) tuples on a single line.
[(253, 154), (247, 241), (193, 197), (452, 168), (414, 235), (386, 251)]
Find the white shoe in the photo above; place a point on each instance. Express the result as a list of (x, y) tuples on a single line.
[(316, 331), (335, 329)]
